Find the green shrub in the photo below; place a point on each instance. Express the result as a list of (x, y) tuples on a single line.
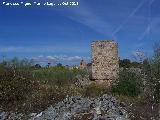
[(126, 63), (129, 84), (151, 68)]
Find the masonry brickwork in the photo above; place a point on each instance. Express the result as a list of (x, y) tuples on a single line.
[(83, 64), (105, 60)]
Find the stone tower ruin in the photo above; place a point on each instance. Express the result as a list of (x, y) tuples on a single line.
[(82, 64), (105, 60)]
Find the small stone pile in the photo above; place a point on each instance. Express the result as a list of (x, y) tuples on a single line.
[(79, 108), (11, 116)]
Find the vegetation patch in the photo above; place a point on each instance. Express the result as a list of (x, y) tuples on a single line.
[(129, 84)]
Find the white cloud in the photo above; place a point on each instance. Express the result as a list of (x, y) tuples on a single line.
[(51, 58), (74, 58), (60, 58)]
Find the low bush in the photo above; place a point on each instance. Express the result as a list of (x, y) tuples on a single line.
[(24, 88), (129, 83), (16, 83), (151, 69), (57, 75)]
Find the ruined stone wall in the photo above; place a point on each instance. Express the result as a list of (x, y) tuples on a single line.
[(105, 60), (83, 64)]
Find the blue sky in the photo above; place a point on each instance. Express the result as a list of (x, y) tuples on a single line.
[(61, 33)]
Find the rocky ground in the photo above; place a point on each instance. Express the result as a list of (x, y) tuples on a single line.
[(77, 108)]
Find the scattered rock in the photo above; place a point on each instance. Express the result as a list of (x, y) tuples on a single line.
[(76, 108), (79, 108), (11, 116), (3, 115)]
